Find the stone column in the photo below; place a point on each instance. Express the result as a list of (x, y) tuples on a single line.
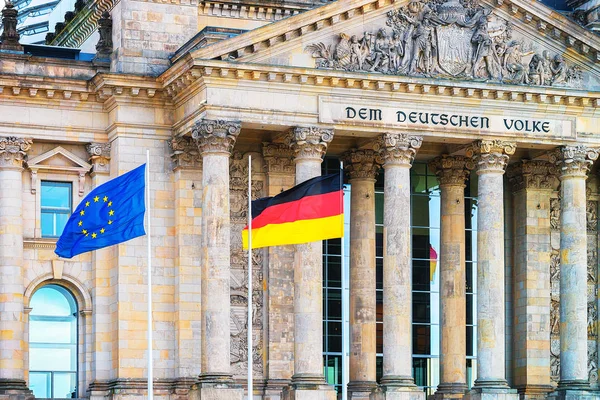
[(362, 168), (13, 151), (308, 382), (215, 140), (491, 157), (574, 163), (452, 173), (398, 152), (103, 292), (532, 182)]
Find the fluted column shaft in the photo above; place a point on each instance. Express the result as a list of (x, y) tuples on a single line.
[(573, 163), (362, 168), (491, 157), (397, 151), (309, 145), (452, 173), (215, 141), (12, 317)]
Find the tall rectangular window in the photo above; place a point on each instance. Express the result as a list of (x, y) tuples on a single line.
[(56, 207)]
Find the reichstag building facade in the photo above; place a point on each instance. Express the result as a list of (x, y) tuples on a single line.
[(469, 133)]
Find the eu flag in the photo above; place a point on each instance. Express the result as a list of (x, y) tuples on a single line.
[(112, 213)]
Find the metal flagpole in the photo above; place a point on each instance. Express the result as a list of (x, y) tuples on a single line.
[(345, 304), (150, 372), (249, 324)]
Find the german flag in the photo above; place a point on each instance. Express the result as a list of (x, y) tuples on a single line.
[(308, 212)]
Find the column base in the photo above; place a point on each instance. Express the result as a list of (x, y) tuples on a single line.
[(397, 388), (215, 386), (574, 390), (361, 390), (309, 387), (492, 393), (450, 391), (15, 389), (534, 392), (275, 387)]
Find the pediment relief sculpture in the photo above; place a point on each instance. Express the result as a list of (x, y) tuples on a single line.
[(452, 39)]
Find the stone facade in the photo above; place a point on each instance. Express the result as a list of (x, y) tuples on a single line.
[(503, 93)]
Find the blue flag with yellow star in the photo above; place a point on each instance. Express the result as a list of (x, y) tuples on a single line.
[(112, 213)]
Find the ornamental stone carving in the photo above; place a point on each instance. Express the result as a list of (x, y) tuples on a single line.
[(574, 160), (526, 174), (452, 170), (216, 136), (452, 39), (398, 148), (555, 213), (99, 157), (278, 158), (185, 153), (309, 142), (104, 46), (10, 36), (361, 164), (592, 215), (13, 151), (491, 155)]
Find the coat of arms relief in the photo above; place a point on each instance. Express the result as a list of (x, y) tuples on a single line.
[(451, 39)]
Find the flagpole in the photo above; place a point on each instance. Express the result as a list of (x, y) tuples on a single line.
[(150, 372), (345, 303), (249, 324)]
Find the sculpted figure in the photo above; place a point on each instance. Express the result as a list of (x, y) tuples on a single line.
[(536, 70), (513, 63), (546, 66), (484, 50), (342, 51), (559, 70), (357, 52), (422, 47), (396, 51), (381, 52)]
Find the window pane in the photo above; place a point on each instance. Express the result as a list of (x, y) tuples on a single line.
[(48, 224), (51, 359), (52, 301), (56, 194), (61, 221), (64, 385), (421, 339), (51, 332), (334, 304), (334, 341), (39, 383)]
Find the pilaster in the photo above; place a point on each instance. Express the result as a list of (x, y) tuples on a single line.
[(309, 145), (397, 152), (362, 168), (532, 184), (13, 152)]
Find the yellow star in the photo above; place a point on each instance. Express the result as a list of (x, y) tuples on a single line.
[(80, 223), (110, 203), (94, 235), (111, 212), (109, 222), (96, 199), (84, 231), (105, 198), (102, 230), (82, 212), (87, 203)]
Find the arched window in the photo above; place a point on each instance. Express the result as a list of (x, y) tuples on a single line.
[(53, 343)]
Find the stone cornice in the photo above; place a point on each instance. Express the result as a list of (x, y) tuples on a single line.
[(259, 11), (540, 18)]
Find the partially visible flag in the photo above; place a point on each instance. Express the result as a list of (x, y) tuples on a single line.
[(111, 213), (308, 212), (433, 257)]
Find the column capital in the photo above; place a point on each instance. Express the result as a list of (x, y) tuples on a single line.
[(491, 155), (278, 158), (309, 142), (574, 161), (527, 174), (99, 157), (398, 148), (452, 170), (216, 136), (185, 153), (13, 151), (362, 164)]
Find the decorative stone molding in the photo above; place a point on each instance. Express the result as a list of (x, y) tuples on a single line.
[(398, 148), (13, 151), (528, 174), (99, 157), (185, 153), (67, 163), (216, 136), (104, 46), (555, 213), (574, 160), (362, 164), (10, 36), (278, 158), (491, 155), (309, 142), (452, 170)]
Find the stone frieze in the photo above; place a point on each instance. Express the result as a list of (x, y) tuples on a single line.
[(449, 39)]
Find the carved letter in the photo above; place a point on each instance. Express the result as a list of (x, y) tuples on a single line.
[(362, 113), (375, 114), (433, 119), (444, 119), (519, 125), (401, 116), (350, 113), (413, 117), (424, 120), (485, 123), (506, 124), (546, 127)]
